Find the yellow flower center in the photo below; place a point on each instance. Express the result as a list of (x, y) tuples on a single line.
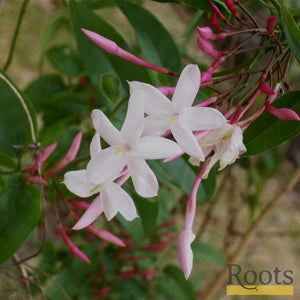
[(173, 118), (95, 188)]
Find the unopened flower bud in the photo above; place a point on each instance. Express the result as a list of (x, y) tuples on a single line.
[(208, 34), (214, 22), (208, 48), (271, 22), (231, 7)]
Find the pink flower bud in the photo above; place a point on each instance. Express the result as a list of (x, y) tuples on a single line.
[(208, 34), (35, 179), (106, 235), (264, 88), (231, 7), (73, 249), (216, 10), (282, 113), (185, 253), (206, 76), (42, 157), (208, 48), (79, 204), (271, 22), (214, 22), (71, 154), (112, 48)]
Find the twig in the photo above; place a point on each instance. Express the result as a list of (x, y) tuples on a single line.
[(211, 207), (15, 36), (250, 233), (24, 275)]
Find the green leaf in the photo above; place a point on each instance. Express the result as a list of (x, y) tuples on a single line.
[(65, 59), (205, 252), (110, 85), (182, 174), (291, 30), (134, 228), (20, 209), (148, 212), (267, 131), (95, 61), (16, 115), (43, 88), (68, 281), (7, 162), (157, 45), (176, 274), (51, 30)]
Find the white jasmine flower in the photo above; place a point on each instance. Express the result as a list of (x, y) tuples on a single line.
[(112, 199), (129, 148), (178, 115), (227, 144)]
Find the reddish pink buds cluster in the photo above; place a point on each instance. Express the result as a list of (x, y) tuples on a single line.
[(71, 154), (231, 7), (208, 48), (271, 22)]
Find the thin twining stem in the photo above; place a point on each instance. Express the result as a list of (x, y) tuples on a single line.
[(15, 36)]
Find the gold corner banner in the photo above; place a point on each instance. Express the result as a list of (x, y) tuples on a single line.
[(283, 290)]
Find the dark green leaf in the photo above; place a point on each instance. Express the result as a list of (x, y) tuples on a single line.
[(291, 30), (7, 162), (148, 212), (68, 281), (14, 122), (267, 131), (157, 45), (176, 274), (182, 174), (205, 252), (65, 59), (43, 88), (20, 209), (134, 228), (110, 84)]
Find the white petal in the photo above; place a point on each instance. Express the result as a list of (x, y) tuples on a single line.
[(90, 215), (187, 142), (77, 182), (106, 165), (155, 103), (144, 180), (156, 147), (110, 210), (216, 135), (105, 128), (155, 126), (120, 201), (95, 146), (187, 87), (201, 118), (133, 125), (211, 163), (237, 137)]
